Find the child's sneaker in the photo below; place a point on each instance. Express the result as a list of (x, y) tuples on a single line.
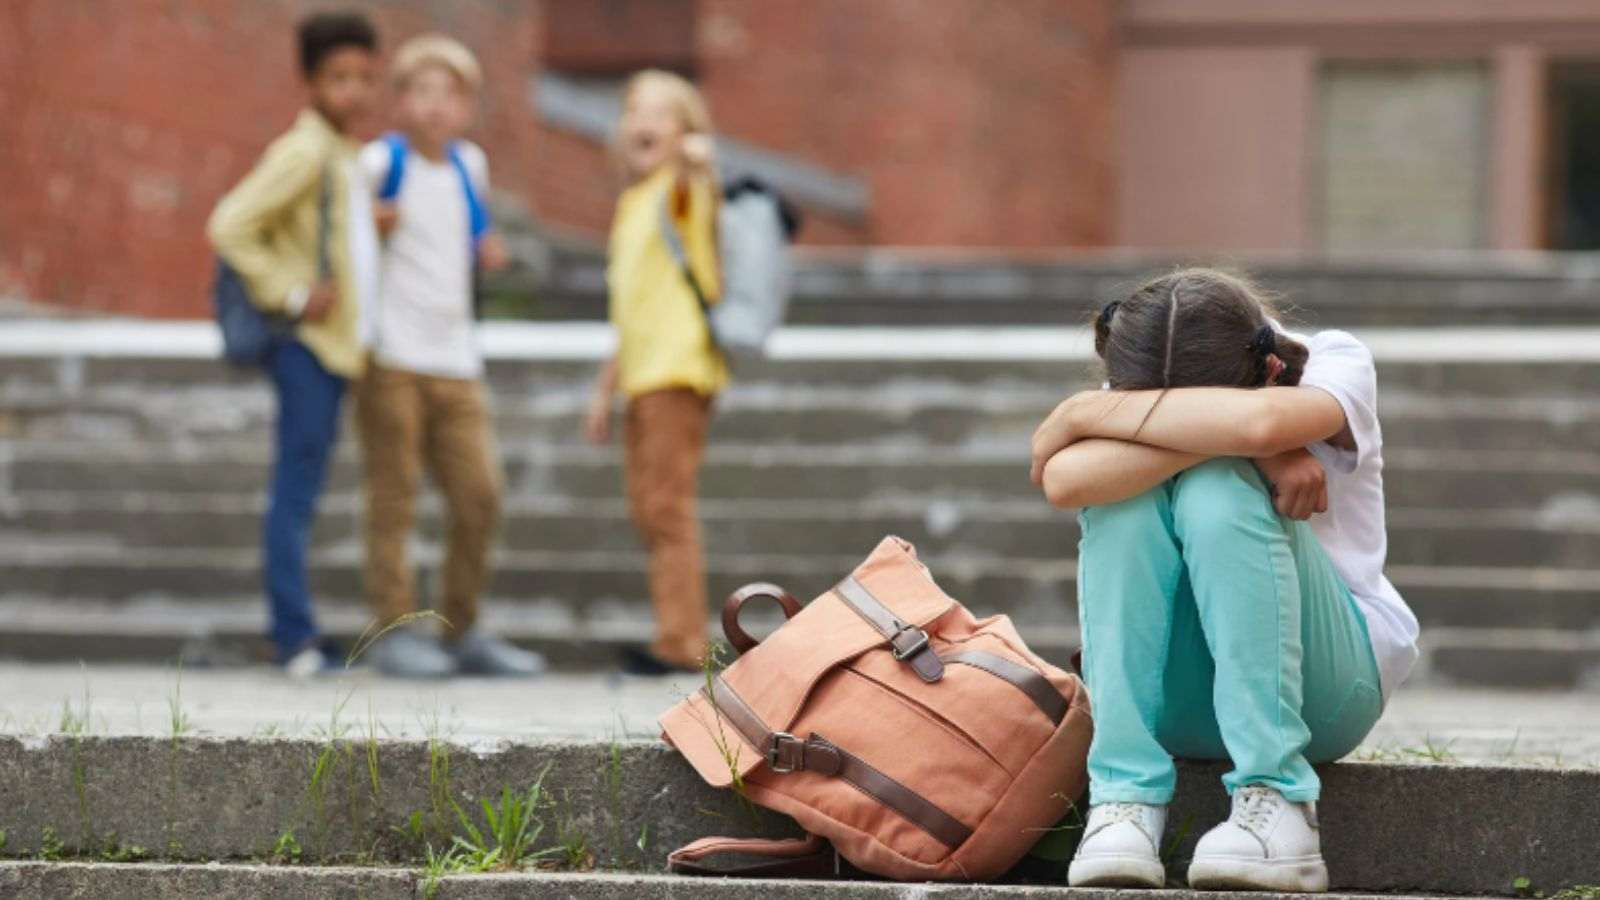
[(405, 654), (477, 653), (1267, 844), (311, 662), (1120, 847)]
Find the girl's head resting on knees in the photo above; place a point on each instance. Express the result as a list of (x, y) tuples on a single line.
[(1195, 328), (660, 110)]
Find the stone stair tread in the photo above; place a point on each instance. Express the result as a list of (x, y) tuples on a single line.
[(589, 636), (191, 881)]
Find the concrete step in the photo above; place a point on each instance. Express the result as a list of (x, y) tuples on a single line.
[(112, 881), (350, 798), (94, 881), (1542, 641), (526, 360), (872, 415), (1022, 529), (1415, 479), (894, 286)]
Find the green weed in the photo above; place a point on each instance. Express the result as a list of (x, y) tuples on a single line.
[(513, 828), (3, 840), (1169, 855), (731, 750), (571, 843), (115, 851), (177, 719), (287, 848), (1432, 752), (50, 846)]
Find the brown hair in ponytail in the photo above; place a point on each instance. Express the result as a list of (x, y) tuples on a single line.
[(1193, 328)]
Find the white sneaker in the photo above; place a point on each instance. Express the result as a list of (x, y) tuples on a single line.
[(1267, 844), (308, 663), (1120, 847)]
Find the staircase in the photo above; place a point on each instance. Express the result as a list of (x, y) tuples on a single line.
[(132, 467)]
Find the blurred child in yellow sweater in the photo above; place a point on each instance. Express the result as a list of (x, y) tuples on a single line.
[(666, 364)]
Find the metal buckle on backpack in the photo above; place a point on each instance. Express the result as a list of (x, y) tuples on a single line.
[(917, 646), (775, 745)]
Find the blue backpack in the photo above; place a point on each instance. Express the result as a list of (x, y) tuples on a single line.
[(248, 332)]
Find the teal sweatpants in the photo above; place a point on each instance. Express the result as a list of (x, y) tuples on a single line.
[(1213, 628)]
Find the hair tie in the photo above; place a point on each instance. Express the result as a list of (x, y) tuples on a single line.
[(1106, 312), (1265, 343)]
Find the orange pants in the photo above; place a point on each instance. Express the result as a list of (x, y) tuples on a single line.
[(665, 439), (408, 421)]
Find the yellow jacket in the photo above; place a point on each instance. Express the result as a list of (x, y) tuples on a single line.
[(663, 340), (266, 228)]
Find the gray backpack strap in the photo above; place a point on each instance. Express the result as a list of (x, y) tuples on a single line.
[(674, 240)]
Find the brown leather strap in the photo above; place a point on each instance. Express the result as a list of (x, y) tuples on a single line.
[(909, 643), (788, 753), (735, 633), (729, 705), (807, 857), (1037, 688)]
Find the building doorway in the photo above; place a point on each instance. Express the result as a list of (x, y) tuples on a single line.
[(1573, 186)]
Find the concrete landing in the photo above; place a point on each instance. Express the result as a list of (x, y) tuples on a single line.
[(1534, 728)]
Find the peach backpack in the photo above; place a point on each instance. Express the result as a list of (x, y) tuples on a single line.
[(923, 743)]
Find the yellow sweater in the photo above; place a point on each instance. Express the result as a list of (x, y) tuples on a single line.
[(663, 340), (266, 228)]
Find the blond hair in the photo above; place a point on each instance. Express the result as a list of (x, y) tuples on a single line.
[(437, 50), (687, 101)]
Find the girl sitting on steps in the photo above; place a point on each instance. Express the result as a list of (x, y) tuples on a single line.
[(1231, 590)]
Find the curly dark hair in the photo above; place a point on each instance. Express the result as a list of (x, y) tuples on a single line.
[(320, 34)]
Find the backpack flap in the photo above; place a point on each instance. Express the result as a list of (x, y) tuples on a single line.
[(775, 678)]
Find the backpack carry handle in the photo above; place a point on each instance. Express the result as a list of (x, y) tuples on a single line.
[(736, 634)]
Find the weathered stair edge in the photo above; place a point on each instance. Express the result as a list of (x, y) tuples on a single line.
[(114, 881), (1387, 827)]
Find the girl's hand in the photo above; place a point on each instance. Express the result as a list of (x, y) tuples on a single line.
[(1298, 482), (597, 423), (699, 151)]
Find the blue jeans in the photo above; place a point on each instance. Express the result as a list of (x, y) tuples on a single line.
[(1213, 628), (307, 429)]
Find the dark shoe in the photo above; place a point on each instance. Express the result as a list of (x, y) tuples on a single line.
[(479, 654), (639, 661), (405, 654)]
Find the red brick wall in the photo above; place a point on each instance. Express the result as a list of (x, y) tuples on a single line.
[(124, 122), (974, 122)]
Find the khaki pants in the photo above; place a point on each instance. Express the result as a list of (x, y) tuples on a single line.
[(408, 421), (665, 436)]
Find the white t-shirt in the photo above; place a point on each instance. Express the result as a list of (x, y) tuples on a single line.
[(425, 319), (1352, 530)]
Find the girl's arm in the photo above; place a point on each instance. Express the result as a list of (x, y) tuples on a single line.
[(1250, 422), (1097, 471), (597, 424)]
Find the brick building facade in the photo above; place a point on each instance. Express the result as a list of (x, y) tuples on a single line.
[(1190, 126), (125, 121)]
